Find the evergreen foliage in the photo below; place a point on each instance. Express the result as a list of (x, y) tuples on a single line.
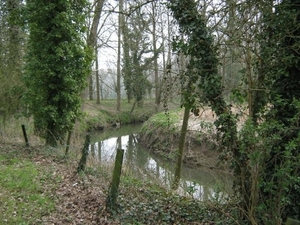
[(280, 187), (57, 64)]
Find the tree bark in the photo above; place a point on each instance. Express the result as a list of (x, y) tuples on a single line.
[(97, 77), (92, 37), (84, 154), (157, 98), (118, 88), (181, 147)]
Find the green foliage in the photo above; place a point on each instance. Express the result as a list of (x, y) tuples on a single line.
[(153, 205), (137, 46), (200, 81), (280, 186), (57, 64), (265, 155)]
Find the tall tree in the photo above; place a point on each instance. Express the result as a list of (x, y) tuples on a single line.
[(201, 81), (136, 63), (154, 40), (281, 50), (57, 65), (121, 25), (93, 36), (12, 47)]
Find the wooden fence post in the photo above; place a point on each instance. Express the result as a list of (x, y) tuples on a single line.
[(85, 152), (112, 196), (25, 135), (68, 143)]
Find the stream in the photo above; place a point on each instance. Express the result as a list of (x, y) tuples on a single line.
[(199, 183)]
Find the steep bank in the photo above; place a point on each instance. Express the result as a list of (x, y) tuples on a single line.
[(160, 134)]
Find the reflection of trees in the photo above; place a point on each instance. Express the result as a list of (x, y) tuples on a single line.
[(93, 150), (151, 167), (129, 152), (99, 151), (119, 143), (142, 156)]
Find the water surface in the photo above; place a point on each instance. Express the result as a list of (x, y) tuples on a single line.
[(200, 183)]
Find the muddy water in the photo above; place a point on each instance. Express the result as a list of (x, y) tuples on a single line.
[(199, 183)]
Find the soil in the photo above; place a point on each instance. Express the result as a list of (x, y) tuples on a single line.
[(201, 148)]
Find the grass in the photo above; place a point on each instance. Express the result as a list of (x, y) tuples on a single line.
[(23, 200), (161, 120), (105, 114)]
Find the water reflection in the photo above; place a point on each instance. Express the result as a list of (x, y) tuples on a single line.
[(199, 183)]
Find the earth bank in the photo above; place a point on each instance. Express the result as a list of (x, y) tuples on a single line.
[(160, 134)]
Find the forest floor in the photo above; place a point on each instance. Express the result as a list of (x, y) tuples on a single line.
[(37, 186)]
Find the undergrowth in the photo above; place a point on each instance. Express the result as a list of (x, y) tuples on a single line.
[(22, 196), (141, 202)]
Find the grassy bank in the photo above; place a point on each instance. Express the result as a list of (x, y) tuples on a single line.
[(105, 114)]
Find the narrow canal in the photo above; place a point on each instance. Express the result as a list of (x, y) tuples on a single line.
[(200, 183)]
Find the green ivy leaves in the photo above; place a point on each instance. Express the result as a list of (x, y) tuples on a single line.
[(57, 64)]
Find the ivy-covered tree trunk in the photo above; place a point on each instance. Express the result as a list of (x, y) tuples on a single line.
[(201, 81), (57, 65), (280, 190), (136, 46)]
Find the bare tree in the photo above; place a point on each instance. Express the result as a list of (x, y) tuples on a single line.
[(121, 24), (93, 36)]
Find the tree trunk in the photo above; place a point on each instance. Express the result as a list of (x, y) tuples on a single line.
[(169, 62), (97, 77), (157, 99), (92, 38), (181, 147), (51, 137), (118, 89), (84, 154)]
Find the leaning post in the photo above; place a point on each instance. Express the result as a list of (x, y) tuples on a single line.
[(25, 135), (113, 193), (84, 154)]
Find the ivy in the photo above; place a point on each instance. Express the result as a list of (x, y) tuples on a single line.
[(57, 63), (201, 81)]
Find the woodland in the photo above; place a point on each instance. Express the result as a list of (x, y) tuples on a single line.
[(221, 54)]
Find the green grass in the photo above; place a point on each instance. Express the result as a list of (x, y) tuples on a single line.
[(21, 194), (161, 121), (105, 113)]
